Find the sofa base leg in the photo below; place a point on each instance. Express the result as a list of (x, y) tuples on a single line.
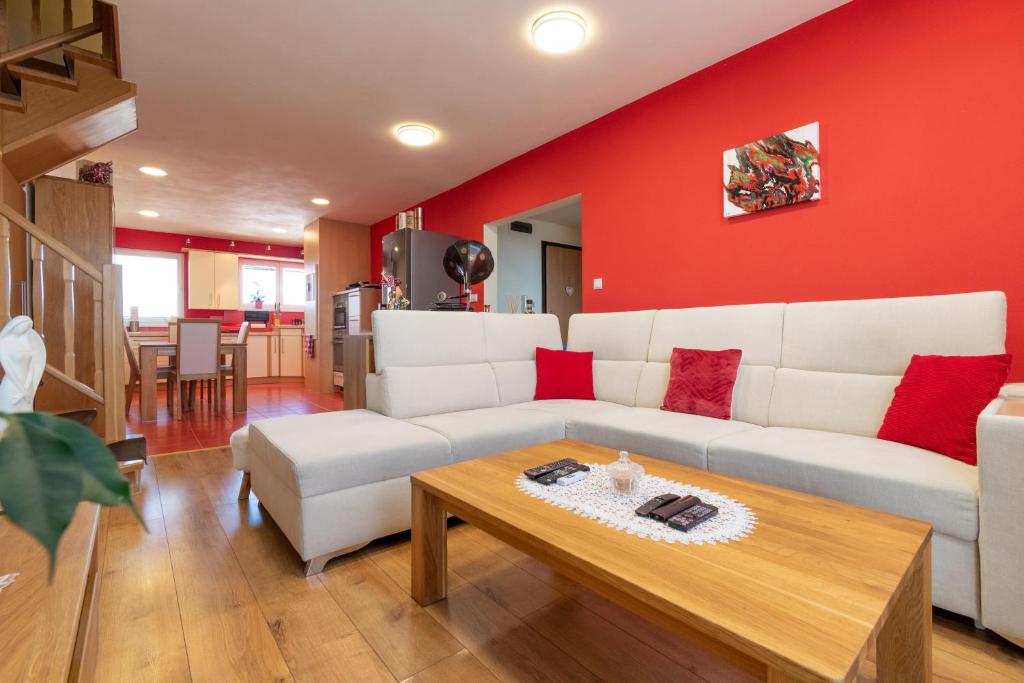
[(243, 490), (316, 565)]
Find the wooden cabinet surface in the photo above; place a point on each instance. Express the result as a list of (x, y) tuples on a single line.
[(225, 280), (201, 279), (212, 280), (290, 352), (257, 356)]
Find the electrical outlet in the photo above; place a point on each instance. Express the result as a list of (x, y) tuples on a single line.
[(473, 298), (598, 283)]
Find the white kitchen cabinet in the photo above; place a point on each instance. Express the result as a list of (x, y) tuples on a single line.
[(278, 354), (290, 353), (257, 356), (201, 279), (212, 280), (225, 283)]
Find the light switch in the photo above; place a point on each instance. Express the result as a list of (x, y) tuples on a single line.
[(473, 298), (598, 283)]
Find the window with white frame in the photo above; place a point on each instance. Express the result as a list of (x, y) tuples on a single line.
[(272, 283), (151, 280)]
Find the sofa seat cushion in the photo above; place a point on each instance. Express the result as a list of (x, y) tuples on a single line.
[(476, 433), (567, 408), (325, 452), (862, 470), (677, 437)]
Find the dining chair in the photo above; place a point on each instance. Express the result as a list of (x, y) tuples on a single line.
[(135, 375), (197, 357), (227, 368)]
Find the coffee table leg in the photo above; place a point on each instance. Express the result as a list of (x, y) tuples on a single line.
[(429, 548), (905, 641)]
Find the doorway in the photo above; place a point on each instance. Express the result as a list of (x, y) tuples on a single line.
[(538, 261), (561, 275)]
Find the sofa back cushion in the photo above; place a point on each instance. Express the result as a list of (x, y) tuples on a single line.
[(750, 395), (515, 337), (429, 390), (841, 360), (612, 336), (427, 338), (517, 381), (755, 329)]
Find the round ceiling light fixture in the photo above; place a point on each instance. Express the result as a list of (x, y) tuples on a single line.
[(149, 213), (320, 201), (415, 134), (153, 171), (558, 32), (280, 231)]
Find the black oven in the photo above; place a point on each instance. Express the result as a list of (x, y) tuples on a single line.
[(340, 311)]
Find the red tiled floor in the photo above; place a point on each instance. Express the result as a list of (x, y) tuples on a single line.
[(200, 428)]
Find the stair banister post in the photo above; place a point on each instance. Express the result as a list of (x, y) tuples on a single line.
[(69, 318), (5, 270), (113, 354), (37, 285)]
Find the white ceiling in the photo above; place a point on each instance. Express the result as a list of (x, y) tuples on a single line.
[(255, 106)]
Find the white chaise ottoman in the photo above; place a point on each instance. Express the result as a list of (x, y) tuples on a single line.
[(333, 482)]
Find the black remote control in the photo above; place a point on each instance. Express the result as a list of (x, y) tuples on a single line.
[(674, 508), (692, 516), (537, 471), (552, 477), (653, 504)]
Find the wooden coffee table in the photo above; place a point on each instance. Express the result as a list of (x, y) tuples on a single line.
[(803, 598)]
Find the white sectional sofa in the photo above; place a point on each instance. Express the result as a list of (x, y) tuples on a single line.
[(813, 386)]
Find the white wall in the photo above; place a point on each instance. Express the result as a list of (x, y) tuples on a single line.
[(518, 260)]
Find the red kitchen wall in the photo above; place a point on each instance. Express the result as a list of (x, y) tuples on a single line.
[(920, 105), (131, 238)]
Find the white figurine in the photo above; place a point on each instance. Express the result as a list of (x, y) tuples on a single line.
[(23, 357)]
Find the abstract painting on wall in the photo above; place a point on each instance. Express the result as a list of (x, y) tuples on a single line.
[(774, 171)]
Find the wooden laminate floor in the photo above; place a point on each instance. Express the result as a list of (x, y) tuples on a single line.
[(214, 592)]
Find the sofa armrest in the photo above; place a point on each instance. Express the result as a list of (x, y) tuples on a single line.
[(1001, 514)]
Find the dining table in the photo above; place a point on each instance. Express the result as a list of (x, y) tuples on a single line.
[(149, 351)]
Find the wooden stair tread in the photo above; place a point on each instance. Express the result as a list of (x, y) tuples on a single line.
[(27, 73), (12, 103), (79, 54)]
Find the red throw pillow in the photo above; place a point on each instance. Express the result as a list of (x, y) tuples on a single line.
[(938, 401), (701, 382), (564, 374)]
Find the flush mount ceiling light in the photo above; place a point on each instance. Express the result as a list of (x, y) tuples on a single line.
[(280, 231), (415, 134), (558, 32), (153, 171), (149, 213), (320, 201)]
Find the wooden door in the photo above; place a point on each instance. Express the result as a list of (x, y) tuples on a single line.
[(562, 276), (201, 279), (226, 280)]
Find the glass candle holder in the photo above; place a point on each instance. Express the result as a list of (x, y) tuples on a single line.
[(624, 475)]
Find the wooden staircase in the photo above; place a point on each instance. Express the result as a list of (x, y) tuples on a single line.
[(62, 97), (51, 112)]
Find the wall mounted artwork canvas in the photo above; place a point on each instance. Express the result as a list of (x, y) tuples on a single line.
[(774, 171)]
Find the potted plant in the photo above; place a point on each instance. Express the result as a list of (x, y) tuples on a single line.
[(48, 464), (258, 297)]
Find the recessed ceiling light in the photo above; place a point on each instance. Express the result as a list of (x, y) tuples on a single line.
[(415, 134), (154, 171), (281, 231), (148, 213), (558, 31), (320, 201)]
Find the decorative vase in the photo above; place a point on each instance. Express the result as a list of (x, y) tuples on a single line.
[(624, 475)]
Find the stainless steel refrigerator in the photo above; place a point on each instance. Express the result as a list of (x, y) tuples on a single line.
[(416, 257)]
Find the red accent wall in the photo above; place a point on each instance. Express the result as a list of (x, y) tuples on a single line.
[(151, 240), (921, 138)]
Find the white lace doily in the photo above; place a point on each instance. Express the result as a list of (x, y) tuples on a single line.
[(591, 498), (7, 579)]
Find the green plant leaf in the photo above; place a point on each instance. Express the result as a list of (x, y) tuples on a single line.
[(47, 465)]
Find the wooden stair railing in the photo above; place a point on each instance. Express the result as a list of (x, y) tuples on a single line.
[(107, 388)]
